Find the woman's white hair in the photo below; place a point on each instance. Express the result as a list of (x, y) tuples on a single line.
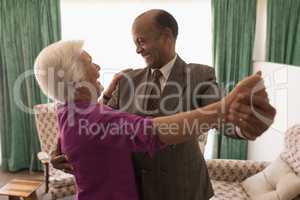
[(58, 67)]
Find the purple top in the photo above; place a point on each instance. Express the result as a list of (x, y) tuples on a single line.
[(99, 143)]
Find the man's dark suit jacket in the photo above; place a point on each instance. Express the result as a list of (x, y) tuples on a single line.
[(177, 172)]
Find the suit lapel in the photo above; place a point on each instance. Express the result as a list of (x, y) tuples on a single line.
[(140, 90), (175, 86), (172, 94)]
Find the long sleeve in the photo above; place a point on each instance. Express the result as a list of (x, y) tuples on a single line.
[(212, 93)]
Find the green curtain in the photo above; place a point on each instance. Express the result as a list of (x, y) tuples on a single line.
[(283, 31), (26, 27), (233, 40)]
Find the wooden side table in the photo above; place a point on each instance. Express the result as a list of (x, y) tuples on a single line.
[(18, 189)]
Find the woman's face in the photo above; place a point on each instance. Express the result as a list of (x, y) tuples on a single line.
[(92, 72)]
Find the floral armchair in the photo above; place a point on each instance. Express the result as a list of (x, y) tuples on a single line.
[(228, 177), (58, 183)]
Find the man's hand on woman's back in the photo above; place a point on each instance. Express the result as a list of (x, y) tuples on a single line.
[(60, 161)]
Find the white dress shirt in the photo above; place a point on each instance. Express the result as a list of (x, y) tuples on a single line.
[(165, 70)]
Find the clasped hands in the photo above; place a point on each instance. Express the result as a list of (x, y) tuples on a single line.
[(248, 107)]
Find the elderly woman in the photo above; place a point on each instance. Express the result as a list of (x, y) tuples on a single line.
[(97, 140)]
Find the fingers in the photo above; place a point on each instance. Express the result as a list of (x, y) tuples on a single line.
[(250, 128), (249, 117), (252, 85), (261, 92), (65, 168), (261, 101), (249, 107), (113, 84), (246, 128), (118, 76), (259, 73), (121, 73), (59, 159), (264, 105), (253, 115), (61, 162), (259, 108), (249, 99), (241, 111), (251, 81)]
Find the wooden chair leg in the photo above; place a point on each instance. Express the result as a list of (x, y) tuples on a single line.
[(46, 177)]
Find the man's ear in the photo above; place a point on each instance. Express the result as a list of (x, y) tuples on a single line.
[(168, 33)]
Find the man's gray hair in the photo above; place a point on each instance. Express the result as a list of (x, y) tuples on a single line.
[(58, 67)]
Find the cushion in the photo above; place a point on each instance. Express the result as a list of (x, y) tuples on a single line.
[(277, 182), (291, 153), (228, 190), (59, 178), (61, 192)]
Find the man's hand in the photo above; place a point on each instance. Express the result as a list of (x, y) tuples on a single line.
[(60, 161), (248, 107), (251, 109), (249, 85), (252, 113)]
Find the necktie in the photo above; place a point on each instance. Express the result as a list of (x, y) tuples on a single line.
[(155, 91)]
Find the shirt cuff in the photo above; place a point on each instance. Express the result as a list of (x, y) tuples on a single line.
[(239, 133)]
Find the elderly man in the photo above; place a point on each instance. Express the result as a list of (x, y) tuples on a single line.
[(179, 171), (101, 153)]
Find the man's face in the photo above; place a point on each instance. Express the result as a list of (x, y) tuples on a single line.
[(150, 43)]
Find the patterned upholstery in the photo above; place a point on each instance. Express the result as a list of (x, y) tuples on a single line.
[(291, 153), (60, 184), (61, 192), (59, 178), (227, 175), (46, 123), (224, 191), (233, 170)]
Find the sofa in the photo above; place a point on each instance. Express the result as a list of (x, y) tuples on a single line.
[(253, 180)]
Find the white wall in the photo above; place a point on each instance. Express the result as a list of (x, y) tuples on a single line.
[(282, 87), (106, 28), (283, 90)]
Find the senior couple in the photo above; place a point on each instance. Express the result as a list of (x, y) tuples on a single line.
[(137, 142)]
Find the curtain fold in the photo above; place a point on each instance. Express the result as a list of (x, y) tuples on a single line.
[(233, 40), (26, 27), (283, 31)]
